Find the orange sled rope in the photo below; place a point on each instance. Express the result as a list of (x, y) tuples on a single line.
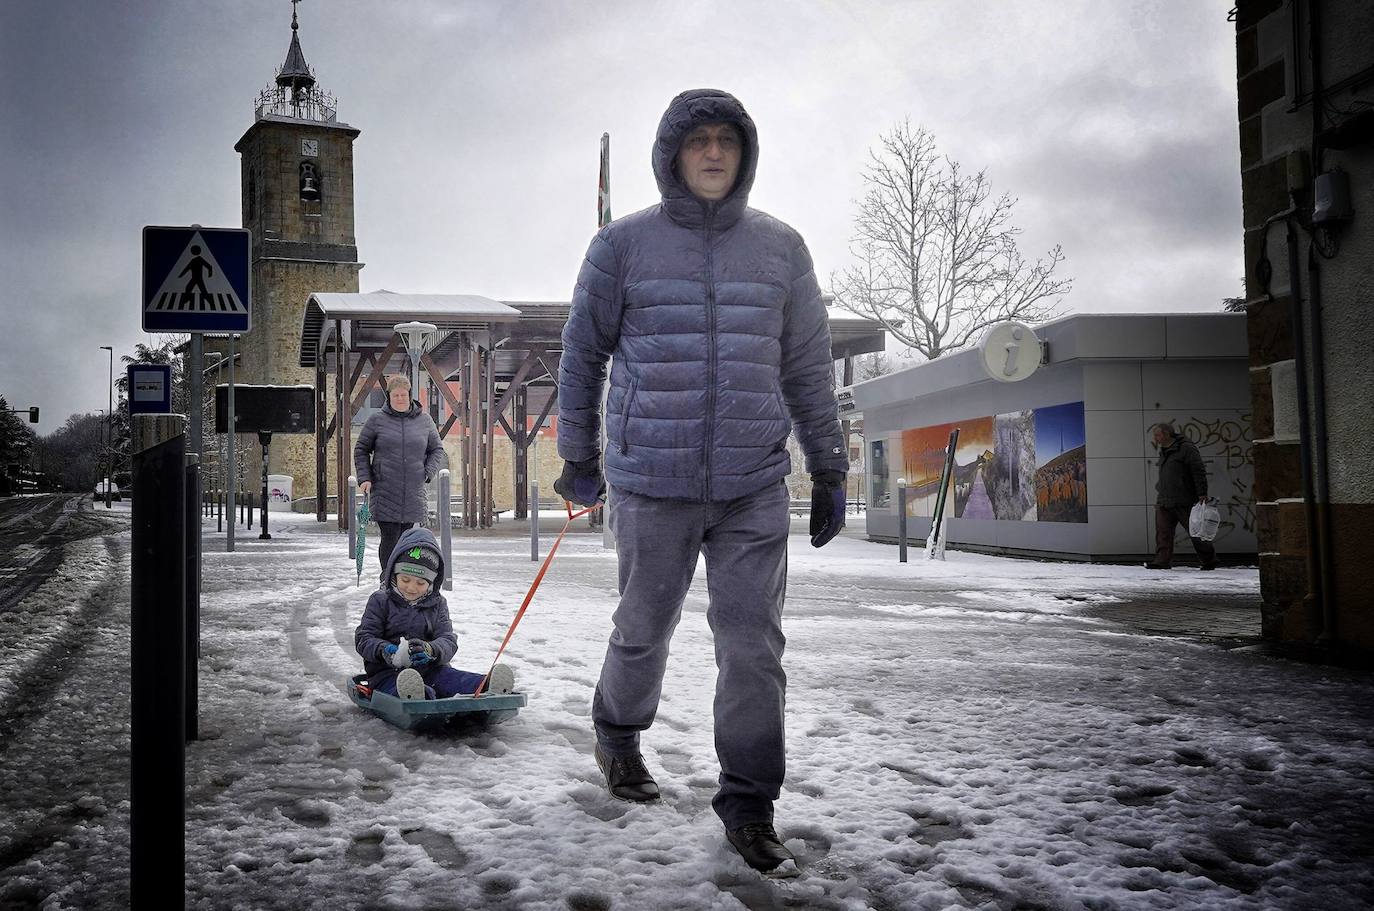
[(529, 595)]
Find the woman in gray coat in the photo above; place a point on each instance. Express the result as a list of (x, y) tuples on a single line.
[(397, 454)]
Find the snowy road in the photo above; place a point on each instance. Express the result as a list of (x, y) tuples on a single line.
[(972, 734)]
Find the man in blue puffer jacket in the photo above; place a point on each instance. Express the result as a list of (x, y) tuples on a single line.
[(711, 316)]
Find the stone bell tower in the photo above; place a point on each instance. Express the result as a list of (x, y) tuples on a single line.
[(297, 189)]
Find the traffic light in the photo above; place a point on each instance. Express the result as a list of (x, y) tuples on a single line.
[(33, 415)]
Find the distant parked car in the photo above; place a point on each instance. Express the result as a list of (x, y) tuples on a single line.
[(114, 490)]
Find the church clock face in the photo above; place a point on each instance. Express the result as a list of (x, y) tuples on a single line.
[(310, 147)]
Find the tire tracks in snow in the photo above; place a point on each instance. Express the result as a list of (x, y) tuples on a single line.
[(305, 651), (63, 723), (33, 673)]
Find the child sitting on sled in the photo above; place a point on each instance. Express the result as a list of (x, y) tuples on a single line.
[(406, 639)]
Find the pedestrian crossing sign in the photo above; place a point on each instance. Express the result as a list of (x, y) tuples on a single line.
[(196, 279)]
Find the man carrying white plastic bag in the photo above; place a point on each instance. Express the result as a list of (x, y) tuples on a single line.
[(1182, 487)]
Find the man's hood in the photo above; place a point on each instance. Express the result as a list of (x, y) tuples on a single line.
[(686, 112), (410, 538)]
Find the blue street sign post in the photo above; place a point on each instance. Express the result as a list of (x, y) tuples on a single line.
[(150, 389), (196, 279)]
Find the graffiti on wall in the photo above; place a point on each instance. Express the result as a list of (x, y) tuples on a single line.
[(1023, 466), (1225, 446)]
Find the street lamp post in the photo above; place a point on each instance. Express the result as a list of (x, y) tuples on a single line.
[(109, 432), (417, 337)]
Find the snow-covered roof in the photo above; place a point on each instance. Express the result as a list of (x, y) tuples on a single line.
[(539, 322), (448, 312)]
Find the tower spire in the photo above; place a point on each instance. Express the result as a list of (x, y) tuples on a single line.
[(295, 73), (296, 93)]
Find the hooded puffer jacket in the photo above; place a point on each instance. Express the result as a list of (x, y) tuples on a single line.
[(721, 342), (400, 454), (388, 616)]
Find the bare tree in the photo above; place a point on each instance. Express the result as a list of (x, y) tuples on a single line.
[(937, 260)]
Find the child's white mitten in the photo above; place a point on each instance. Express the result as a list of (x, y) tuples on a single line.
[(401, 658)]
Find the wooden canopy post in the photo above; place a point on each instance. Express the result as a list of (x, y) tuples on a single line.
[(469, 488), (343, 417), (321, 441), (479, 458), (521, 453), (489, 403)]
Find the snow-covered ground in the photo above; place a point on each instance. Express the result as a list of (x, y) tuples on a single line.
[(967, 734)]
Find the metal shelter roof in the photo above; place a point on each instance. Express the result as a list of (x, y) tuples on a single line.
[(375, 313), (518, 325)]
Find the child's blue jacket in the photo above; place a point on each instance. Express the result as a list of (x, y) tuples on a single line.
[(388, 617)]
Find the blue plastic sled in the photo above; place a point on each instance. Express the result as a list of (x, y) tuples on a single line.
[(433, 714)]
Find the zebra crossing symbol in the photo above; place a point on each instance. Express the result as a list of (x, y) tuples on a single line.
[(196, 280)]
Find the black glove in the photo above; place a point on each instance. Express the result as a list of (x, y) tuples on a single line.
[(421, 652), (581, 482), (827, 505)]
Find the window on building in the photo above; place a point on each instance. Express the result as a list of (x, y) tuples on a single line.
[(878, 495)]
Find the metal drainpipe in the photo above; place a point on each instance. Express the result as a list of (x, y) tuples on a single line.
[(1319, 454), (1315, 592), (1321, 464)]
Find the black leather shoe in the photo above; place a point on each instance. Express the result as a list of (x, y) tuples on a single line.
[(758, 844), (1207, 567), (1156, 566), (627, 778)]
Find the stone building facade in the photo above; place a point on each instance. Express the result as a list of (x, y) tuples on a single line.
[(1305, 85)]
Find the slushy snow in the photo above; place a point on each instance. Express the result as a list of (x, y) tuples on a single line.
[(975, 733)]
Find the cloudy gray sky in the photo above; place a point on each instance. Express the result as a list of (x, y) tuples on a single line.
[(1114, 123)]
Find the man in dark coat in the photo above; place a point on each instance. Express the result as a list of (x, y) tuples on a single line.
[(711, 316), (1182, 482), (398, 452)]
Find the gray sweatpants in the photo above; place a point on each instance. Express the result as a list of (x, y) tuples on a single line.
[(745, 544)]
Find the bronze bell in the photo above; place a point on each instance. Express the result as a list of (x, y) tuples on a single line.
[(310, 185)]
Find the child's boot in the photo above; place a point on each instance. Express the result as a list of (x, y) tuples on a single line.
[(500, 681), (410, 685)]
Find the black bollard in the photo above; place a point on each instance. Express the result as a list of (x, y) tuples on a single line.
[(265, 438), (157, 777), (445, 505), (193, 508), (901, 523)]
